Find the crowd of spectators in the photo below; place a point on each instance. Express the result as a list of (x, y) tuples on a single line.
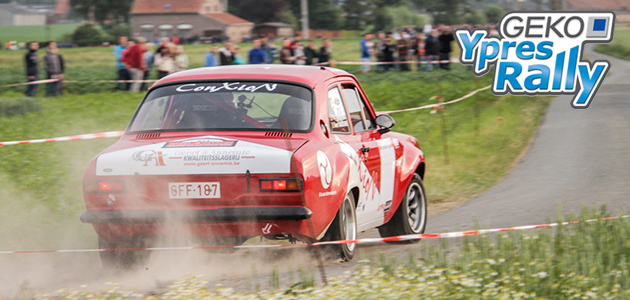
[(395, 50), (135, 61)]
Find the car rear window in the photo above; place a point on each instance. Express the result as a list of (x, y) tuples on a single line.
[(241, 106)]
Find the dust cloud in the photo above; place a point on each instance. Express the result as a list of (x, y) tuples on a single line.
[(28, 224)]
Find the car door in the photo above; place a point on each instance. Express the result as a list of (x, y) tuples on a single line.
[(375, 151)]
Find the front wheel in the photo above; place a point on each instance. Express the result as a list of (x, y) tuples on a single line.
[(411, 215), (344, 227)]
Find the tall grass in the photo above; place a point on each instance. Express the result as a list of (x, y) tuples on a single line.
[(587, 260)]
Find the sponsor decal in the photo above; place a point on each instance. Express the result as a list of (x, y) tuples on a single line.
[(201, 143), (201, 158), (226, 86), (267, 229), (325, 169), (149, 157), (540, 53), (326, 194)]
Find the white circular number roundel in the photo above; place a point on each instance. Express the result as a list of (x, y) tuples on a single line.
[(325, 169)]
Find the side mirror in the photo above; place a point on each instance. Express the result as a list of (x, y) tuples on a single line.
[(386, 122)]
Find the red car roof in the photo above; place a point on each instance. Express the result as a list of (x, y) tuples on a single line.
[(309, 75)]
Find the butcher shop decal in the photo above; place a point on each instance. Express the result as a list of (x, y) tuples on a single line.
[(150, 156)]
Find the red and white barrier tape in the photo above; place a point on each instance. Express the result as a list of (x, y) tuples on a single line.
[(437, 104), (409, 237), (74, 81), (390, 62), (89, 136)]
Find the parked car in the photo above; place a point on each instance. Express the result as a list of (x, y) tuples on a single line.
[(224, 154)]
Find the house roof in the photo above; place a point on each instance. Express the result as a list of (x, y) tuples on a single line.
[(62, 7), (227, 18), (166, 6), (598, 4)]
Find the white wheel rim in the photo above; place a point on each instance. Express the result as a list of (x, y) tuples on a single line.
[(348, 224), (416, 207)]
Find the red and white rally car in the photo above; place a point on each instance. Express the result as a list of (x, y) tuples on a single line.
[(227, 153)]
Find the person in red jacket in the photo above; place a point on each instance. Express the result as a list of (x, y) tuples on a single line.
[(134, 61)]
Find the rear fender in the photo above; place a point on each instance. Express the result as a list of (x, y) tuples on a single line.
[(411, 161)]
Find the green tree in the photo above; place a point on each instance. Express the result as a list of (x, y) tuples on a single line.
[(322, 14), (259, 11), (403, 16), (87, 35), (493, 13), (442, 11), (474, 18), (103, 10), (357, 14)]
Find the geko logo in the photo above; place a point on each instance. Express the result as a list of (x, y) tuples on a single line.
[(540, 53)]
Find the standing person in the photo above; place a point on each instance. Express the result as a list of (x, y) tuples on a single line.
[(403, 46), (149, 59), (31, 63), (388, 50), (300, 55), (181, 59), (164, 43), (445, 39), (366, 51), (54, 69), (165, 62), (123, 74), (257, 55), (286, 53), (227, 55), (269, 50), (212, 57), (419, 50), (134, 59), (310, 52), (378, 50), (238, 59), (325, 53), (432, 49)]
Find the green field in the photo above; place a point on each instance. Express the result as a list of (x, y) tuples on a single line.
[(620, 46), (38, 33)]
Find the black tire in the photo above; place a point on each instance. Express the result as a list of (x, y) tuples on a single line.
[(124, 260), (343, 227), (408, 220)]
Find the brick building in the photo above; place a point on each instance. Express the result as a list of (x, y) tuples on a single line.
[(186, 19)]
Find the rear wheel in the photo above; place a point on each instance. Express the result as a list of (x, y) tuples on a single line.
[(344, 227), (124, 260), (411, 215)]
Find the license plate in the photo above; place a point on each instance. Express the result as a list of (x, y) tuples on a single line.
[(186, 190)]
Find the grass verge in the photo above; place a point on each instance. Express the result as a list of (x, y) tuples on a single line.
[(588, 260), (619, 47)]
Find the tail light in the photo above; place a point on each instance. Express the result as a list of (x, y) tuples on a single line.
[(280, 184), (103, 186)]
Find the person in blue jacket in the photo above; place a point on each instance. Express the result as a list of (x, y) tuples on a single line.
[(257, 55), (212, 57), (366, 51), (123, 73)]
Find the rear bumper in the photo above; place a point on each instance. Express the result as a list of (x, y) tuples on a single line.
[(231, 214)]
